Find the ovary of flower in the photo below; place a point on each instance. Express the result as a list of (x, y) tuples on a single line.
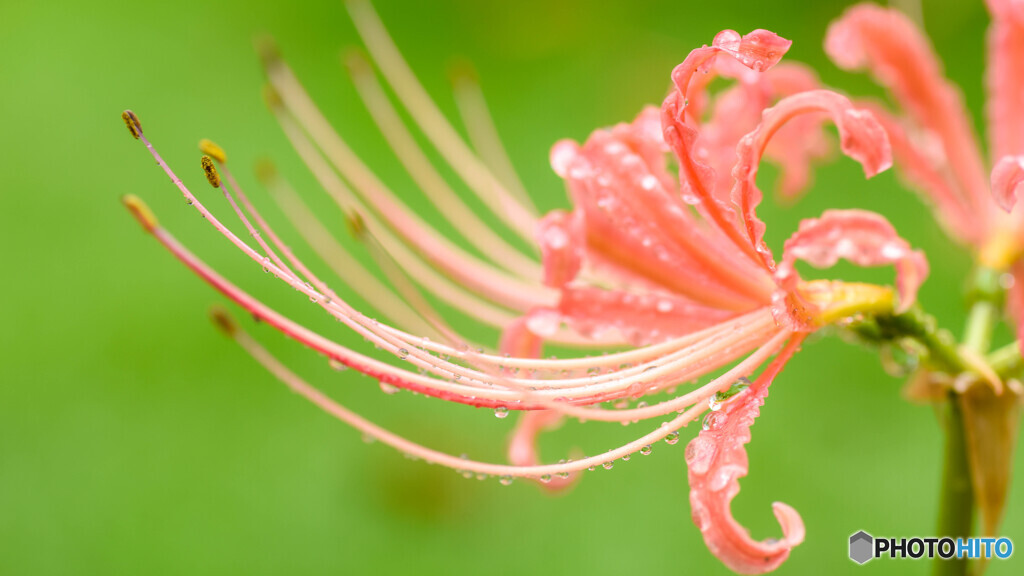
[(673, 264)]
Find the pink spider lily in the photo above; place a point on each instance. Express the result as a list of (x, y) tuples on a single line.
[(674, 265), (938, 154), (933, 143)]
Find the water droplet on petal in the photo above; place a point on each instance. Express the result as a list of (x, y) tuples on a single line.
[(700, 453), (714, 421)]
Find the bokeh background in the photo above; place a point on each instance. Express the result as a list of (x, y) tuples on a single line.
[(134, 439)]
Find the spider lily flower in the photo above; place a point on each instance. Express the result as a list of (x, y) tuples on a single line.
[(673, 264), (934, 146), (935, 149)]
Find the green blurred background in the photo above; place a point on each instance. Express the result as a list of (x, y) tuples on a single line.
[(134, 439)]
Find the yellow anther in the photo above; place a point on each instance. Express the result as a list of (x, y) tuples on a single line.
[(223, 321), (140, 211), (211, 171), (132, 122), (211, 149)]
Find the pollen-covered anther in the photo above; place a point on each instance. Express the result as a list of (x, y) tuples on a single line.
[(211, 149), (211, 171), (223, 321), (141, 212), (132, 122)]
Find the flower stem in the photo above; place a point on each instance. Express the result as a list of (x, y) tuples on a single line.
[(956, 504)]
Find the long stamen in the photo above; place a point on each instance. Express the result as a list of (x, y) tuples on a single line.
[(483, 135), (486, 280), (433, 123), (416, 163), (335, 409), (477, 389), (364, 283)]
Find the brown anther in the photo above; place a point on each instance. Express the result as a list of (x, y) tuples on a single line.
[(271, 98), (211, 171), (132, 122), (356, 225), (223, 321)]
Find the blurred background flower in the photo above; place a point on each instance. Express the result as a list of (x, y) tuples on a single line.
[(133, 439)]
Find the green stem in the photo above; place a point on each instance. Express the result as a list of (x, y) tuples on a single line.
[(1006, 361), (982, 319), (956, 505)]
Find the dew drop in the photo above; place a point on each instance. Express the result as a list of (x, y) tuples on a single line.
[(646, 450), (388, 388), (544, 479), (505, 480), (714, 421), (403, 353), (336, 365), (500, 412), (700, 452), (672, 438)]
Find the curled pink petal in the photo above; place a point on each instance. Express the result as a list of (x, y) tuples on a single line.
[(560, 237), (1004, 77), (865, 239), (716, 459), (861, 137), (889, 45), (737, 110), (759, 51), (802, 140), (640, 319), (1006, 179)]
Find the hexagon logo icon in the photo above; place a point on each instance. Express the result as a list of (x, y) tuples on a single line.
[(861, 547)]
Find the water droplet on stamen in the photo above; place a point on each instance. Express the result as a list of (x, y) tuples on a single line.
[(388, 388), (646, 450), (544, 479), (500, 412), (608, 465), (505, 480), (672, 438)]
